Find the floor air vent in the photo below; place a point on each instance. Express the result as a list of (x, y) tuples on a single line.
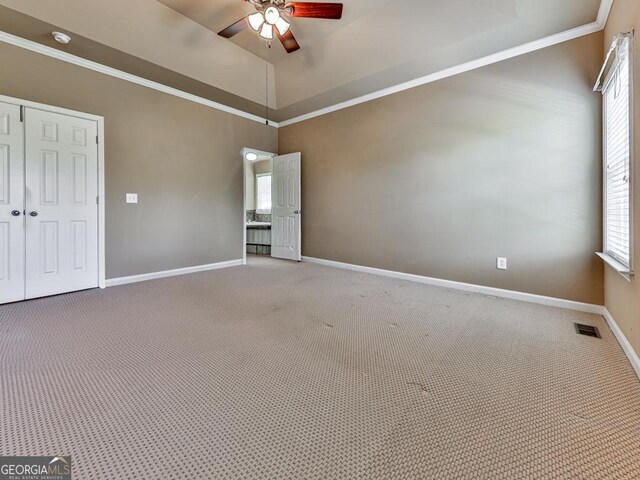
[(587, 330)]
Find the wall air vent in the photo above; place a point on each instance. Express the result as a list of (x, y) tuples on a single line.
[(587, 330)]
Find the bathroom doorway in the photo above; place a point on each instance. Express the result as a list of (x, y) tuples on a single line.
[(272, 205), (258, 168)]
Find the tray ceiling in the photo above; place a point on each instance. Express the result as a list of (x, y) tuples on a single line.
[(377, 44)]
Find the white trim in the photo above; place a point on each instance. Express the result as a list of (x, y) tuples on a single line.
[(599, 24), (456, 70), (467, 287), (602, 85), (97, 67), (617, 266), (603, 12), (622, 340), (102, 201), (101, 176), (50, 108), (112, 282)]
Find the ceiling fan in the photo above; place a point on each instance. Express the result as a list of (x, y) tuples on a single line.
[(269, 19)]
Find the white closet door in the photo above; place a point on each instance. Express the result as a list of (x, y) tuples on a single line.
[(11, 204), (285, 207), (61, 203)]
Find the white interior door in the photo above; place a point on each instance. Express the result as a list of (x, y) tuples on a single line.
[(61, 203), (11, 204), (286, 234)]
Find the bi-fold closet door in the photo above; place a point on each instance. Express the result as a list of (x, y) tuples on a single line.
[(48, 203)]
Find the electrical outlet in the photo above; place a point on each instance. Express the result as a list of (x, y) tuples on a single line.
[(501, 263), (132, 198)]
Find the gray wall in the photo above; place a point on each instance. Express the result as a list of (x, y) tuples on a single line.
[(622, 298), (441, 179), (183, 159)]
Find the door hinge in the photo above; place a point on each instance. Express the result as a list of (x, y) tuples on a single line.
[(97, 200), (97, 141), (21, 113)]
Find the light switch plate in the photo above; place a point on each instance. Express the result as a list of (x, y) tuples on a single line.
[(501, 263), (132, 198)]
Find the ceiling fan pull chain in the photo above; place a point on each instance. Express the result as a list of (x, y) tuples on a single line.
[(267, 46)]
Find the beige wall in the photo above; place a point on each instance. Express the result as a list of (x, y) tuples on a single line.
[(441, 179), (183, 159), (250, 187), (622, 298)]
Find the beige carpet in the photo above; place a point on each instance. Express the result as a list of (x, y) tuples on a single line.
[(296, 371)]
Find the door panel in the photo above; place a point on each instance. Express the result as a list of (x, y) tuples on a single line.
[(11, 200), (286, 207), (62, 212)]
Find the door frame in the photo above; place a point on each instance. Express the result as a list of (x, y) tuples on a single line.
[(101, 180), (244, 152)]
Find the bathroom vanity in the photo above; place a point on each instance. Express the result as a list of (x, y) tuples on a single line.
[(258, 237)]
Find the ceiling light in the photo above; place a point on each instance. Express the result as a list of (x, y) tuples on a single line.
[(282, 25), (271, 15), (252, 157), (256, 20), (267, 31), (60, 37)]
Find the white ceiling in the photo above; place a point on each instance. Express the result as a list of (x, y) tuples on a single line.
[(377, 44)]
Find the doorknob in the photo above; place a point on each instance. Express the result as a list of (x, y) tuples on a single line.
[(297, 212), (33, 213), (15, 213)]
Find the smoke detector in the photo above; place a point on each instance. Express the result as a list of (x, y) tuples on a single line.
[(60, 37)]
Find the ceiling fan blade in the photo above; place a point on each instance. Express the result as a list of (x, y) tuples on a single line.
[(288, 41), (234, 29), (331, 11)]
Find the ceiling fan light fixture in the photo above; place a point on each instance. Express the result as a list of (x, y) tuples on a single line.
[(271, 15), (256, 20), (282, 25), (266, 31)]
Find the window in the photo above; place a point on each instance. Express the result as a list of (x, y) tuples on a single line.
[(263, 193), (617, 96)]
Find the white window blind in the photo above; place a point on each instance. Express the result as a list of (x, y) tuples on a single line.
[(617, 157), (263, 193)]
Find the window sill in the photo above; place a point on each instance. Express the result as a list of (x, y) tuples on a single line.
[(617, 266)]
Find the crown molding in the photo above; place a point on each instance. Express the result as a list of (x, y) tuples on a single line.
[(113, 72), (603, 14), (598, 25)]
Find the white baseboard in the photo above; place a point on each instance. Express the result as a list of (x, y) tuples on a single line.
[(498, 292), (112, 282), (467, 287), (622, 340)]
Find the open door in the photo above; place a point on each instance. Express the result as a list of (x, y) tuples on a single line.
[(286, 233)]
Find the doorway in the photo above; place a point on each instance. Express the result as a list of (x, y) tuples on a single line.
[(51, 213), (257, 202), (272, 205)]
